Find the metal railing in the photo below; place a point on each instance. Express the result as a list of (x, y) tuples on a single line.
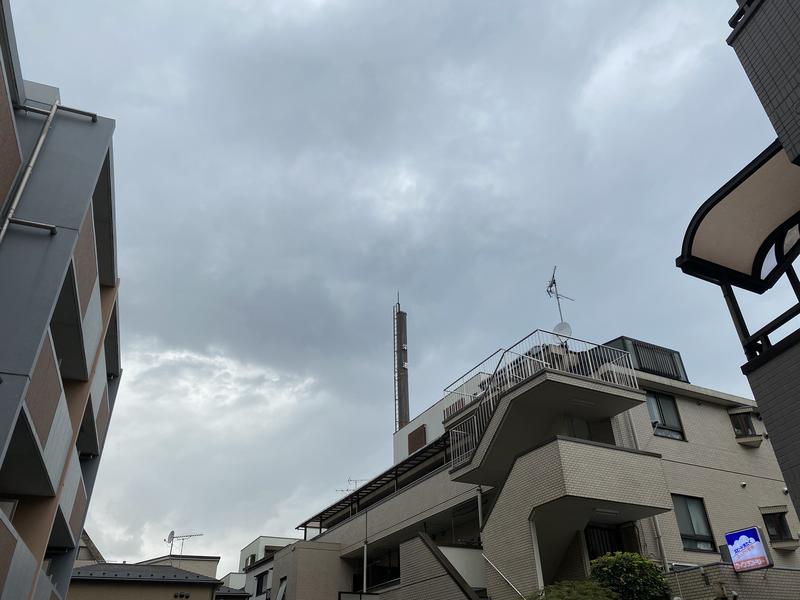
[(522, 362)]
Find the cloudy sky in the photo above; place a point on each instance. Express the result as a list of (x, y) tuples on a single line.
[(283, 167)]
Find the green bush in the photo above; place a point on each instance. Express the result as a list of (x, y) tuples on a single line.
[(576, 590), (631, 576)]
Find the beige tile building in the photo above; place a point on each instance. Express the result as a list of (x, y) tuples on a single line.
[(541, 458)]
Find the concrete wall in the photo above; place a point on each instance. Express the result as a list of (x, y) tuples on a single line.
[(468, 562), (427, 497), (313, 570), (134, 590), (431, 418), (716, 580), (423, 576)]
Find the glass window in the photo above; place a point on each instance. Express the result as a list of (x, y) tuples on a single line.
[(260, 581), (743, 424), (693, 523), (664, 416), (777, 527)]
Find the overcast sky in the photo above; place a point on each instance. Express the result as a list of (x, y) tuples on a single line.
[(284, 167)]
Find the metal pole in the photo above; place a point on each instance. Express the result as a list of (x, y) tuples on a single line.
[(480, 508), (736, 313), (364, 582), (28, 168)]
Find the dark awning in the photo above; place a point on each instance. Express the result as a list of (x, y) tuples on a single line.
[(419, 457), (746, 234)]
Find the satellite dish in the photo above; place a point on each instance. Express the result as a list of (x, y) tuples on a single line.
[(171, 536), (563, 329)]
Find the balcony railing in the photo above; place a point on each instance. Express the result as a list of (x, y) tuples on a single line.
[(506, 369)]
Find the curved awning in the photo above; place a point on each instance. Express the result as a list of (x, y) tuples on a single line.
[(747, 233)]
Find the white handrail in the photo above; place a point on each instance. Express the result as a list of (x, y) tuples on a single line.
[(499, 572)]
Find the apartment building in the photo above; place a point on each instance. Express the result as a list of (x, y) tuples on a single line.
[(256, 565), (59, 355), (545, 455), (746, 236)]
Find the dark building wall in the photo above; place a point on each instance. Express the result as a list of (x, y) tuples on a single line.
[(775, 386), (765, 38)]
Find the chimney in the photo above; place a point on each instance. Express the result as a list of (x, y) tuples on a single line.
[(401, 417)]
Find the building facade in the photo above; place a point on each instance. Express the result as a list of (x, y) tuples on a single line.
[(544, 456), (59, 354), (256, 565), (746, 236)]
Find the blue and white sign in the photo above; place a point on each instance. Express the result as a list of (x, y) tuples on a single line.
[(747, 549)]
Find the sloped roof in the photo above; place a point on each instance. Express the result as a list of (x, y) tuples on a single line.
[(133, 572)]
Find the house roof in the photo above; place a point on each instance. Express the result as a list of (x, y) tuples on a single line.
[(133, 572)]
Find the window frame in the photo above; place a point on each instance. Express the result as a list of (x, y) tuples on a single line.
[(695, 537), (749, 417), (659, 427), (261, 579), (784, 523)]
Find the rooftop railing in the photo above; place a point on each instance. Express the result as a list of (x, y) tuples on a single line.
[(522, 362)]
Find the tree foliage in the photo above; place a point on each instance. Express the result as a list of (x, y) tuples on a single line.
[(631, 576), (576, 590)]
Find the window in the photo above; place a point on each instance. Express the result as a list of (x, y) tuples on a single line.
[(777, 527), (664, 416), (743, 424), (281, 589), (693, 523), (261, 580)]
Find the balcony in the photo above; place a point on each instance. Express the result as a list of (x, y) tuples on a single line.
[(521, 396)]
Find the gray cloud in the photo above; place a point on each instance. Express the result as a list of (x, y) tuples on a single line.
[(284, 167)]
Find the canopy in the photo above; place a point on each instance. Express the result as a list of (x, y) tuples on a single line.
[(746, 234)]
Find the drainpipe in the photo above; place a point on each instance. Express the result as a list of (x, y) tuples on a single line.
[(480, 509), (26, 176), (654, 520), (364, 582)]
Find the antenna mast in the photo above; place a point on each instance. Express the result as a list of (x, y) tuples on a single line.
[(563, 328), (401, 412)]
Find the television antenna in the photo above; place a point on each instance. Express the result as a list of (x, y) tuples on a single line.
[(563, 328), (352, 485), (172, 538)]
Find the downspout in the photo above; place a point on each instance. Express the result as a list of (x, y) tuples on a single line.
[(26, 175), (654, 519)]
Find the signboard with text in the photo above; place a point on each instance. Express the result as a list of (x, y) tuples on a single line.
[(748, 551)]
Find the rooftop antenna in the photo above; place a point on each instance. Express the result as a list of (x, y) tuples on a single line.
[(401, 412), (352, 485), (171, 538), (563, 328)]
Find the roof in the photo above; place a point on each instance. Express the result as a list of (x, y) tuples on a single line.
[(133, 572), (747, 233), (178, 557), (228, 592), (387, 476)]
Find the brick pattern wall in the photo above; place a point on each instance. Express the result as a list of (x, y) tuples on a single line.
[(775, 386), (575, 563), (767, 46), (422, 576), (711, 465), (769, 584)]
